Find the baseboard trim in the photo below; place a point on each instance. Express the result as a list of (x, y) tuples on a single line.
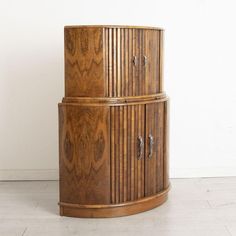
[(20, 174), (53, 174)]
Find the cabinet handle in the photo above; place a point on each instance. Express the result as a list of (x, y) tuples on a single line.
[(150, 138), (145, 60), (135, 60), (140, 147)]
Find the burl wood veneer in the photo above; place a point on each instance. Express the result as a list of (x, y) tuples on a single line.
[(113, 122)]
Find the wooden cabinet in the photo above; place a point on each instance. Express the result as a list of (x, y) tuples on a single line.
[(113, 122)]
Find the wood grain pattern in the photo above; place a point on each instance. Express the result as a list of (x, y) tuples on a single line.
[(151, 71), (150, 163), (155, 127), (84, 68), (114, 210), (99, 61), (160, 146), (166, 113), (161, 60), (126, 170), (84, 154), (114, 102), (124, 78)]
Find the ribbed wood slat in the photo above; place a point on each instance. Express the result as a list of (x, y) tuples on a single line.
[(132, 178), (125, 165), (129, 122), (154, 166), (108, 47), (160, 144), (166, 145), (124, 78), (129, 61), (127, 172), (112, 154), (121, 154), (134, 45)]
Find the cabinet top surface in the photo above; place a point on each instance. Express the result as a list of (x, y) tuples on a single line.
[(113, 26)]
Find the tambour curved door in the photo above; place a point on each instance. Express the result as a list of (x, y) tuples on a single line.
[(132, 61), (156, 162), (138, 160), (127, 153)]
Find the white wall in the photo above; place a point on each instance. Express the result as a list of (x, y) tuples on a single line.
[(200, 77)]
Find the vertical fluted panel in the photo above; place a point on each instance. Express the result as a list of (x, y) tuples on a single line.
[(160, 144), (124, 77), (112, 153), (166, 145), (108, 48), (150, 162), (129, 59), (121, 74), (156, 164), (127, 172)]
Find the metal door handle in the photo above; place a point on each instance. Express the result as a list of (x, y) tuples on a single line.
[(145, 60), (140, 147), (150, 138), (135, 60)]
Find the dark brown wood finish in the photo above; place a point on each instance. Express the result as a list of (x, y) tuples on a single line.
[(114, 210), (84, 154), (166, 144), (151, 52), (127, 172), (131, 59), (84, 62), (113, 122), (112, 62), (154, 161)]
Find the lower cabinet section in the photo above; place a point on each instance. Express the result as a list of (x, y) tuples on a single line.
[(137, 151), (111, 156)]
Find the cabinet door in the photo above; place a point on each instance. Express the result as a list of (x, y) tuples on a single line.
[(123, 62), (151, 61), (154, 151), (127, 153), (84, 154)]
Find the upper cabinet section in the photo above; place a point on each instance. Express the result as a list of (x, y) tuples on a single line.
[(112, 61)]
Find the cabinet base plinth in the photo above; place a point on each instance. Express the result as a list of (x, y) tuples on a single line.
[(113, 210)]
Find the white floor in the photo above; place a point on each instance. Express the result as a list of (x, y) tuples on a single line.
[(205, 206)]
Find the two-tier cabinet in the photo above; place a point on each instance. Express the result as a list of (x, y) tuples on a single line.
[(113, 122)]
